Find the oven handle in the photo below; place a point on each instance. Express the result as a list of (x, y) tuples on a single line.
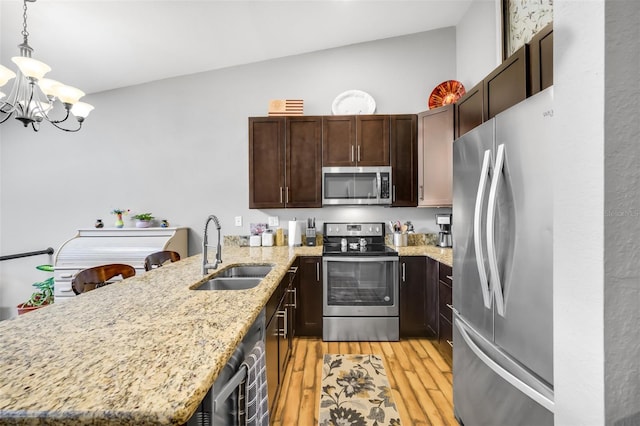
[(328, 258)]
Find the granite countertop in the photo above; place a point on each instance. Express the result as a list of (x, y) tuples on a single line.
[(142, 351), (443, 255)]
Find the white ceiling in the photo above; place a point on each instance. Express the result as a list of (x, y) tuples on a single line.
[(98, 45)]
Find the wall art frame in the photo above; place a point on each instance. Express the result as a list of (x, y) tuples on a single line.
[(521, 20)]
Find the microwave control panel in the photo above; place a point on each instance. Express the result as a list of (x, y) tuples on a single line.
[(384, 186)]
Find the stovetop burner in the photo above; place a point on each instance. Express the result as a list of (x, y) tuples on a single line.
[(355, 239)]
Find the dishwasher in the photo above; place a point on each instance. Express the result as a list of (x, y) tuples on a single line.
[(220, 405)]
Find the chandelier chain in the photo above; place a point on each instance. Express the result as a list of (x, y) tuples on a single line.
[(25, 33)]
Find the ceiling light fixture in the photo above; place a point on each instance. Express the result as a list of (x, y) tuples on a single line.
[(33, 97)]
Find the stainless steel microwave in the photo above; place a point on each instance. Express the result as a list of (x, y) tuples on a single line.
[(356, 185)]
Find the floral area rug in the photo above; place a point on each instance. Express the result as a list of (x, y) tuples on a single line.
[(355, 392)]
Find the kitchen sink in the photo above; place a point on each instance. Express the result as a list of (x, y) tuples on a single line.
[(246, 271), (238, 277), (229, 283)]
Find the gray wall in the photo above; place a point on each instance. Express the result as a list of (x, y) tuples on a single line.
[(478, 42), (179, 147), (596, 202), (622, 213), (578, 206)]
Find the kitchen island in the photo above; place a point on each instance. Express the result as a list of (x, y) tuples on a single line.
[(142, 351)]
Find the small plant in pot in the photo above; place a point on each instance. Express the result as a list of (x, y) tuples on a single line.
[(143, 220), (42, 297)]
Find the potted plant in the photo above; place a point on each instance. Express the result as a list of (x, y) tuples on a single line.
[(42, 297), (143, 220)]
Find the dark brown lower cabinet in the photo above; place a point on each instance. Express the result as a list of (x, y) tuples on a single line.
[(309, 295), (272, 359), (432, 297), (445, 311), (278, 335), (413, 301)]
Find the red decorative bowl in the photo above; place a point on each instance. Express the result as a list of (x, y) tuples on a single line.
[(446, 93)]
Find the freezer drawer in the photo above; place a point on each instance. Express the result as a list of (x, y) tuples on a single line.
[(488, 389)]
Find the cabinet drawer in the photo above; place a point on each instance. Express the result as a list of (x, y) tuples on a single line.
[(446, 274), (444, 301)]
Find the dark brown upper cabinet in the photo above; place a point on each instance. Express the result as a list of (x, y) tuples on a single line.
[(528, 71), (469, 110), (266, 162), (285, 162), (435, 157), (404, 160), (361, 140), (541, 59), (507, 84)]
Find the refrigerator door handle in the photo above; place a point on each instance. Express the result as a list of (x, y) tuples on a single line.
[(544, 400), (491, 245), (477, 230)]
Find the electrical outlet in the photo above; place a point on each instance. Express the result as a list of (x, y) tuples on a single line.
[(273, 221), (238, 220)]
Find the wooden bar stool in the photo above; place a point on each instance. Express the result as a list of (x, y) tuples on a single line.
[(157, 259), (98, 276)]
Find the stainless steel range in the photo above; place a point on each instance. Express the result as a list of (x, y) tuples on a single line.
[(360, 284)]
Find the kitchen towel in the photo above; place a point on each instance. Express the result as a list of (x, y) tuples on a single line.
[(253, 402), (295, 233)]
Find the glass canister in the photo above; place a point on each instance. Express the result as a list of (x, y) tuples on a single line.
[(267, 238), (279, 237)]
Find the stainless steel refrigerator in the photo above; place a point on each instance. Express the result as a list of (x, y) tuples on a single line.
[(502, 268)]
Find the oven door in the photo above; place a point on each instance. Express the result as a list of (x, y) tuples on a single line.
[(360, 286)]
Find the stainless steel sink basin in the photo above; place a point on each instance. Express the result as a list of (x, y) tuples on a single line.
[(246, 271), (229, 283)]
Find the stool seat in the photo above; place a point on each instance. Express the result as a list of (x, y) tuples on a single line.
[(99, 276), (157, 259)]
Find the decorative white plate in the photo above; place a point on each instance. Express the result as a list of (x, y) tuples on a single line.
[(353, 102)]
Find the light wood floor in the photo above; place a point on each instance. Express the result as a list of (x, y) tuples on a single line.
[(420, 378)]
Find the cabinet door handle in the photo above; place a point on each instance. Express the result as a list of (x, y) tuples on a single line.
[(283, 331), (422, 192), (358, 153), (280, 195), (295, 298), (286, 191), (450, 343), (393, 194), (450, 306), (352, 159), (318, 271), (450, 277), (404, 270)]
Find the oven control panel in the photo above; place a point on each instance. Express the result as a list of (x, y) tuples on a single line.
[(354, 229)]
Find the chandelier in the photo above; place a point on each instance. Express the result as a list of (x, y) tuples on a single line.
[(34, 98)]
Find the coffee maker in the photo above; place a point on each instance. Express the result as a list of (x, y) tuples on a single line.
[(444, 236)]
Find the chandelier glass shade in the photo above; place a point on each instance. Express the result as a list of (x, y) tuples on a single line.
[(33, 98)]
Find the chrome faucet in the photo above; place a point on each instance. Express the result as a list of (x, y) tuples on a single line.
[(206, 266)]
